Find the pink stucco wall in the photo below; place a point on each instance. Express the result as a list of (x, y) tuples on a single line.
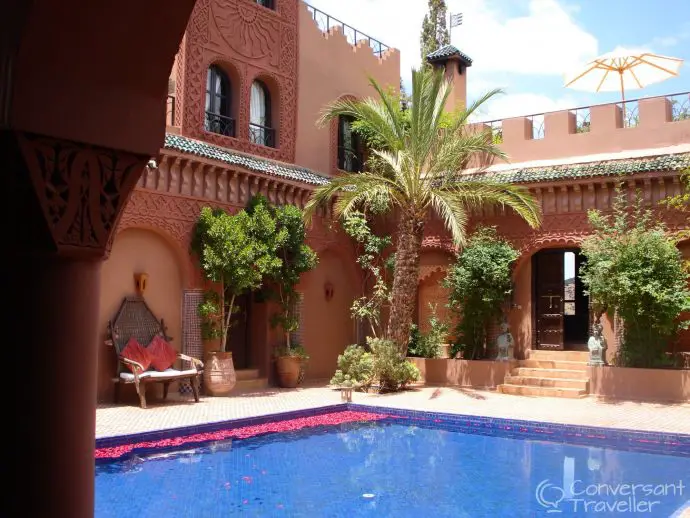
[(330, 68)]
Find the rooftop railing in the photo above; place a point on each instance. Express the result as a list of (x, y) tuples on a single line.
[(326, 22), (680, 107)]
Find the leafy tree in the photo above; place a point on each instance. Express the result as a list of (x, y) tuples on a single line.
[(479, 284), (376, 268), (295, 258), (434, 28), (419, 170), (236, 252), (634, 268)]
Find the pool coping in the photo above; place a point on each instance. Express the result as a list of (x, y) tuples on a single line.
[(664, 443)]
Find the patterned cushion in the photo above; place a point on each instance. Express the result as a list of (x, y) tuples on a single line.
[(163, 355), (136, 352)]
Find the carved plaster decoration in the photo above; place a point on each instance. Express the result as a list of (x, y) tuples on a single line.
[(81, 190)]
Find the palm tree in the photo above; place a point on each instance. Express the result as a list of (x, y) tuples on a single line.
[(417, 168)]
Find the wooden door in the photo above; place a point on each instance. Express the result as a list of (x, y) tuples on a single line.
[(549, 303)]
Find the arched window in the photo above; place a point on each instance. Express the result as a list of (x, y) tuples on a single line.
[(260, 128), (266, 3), (218, 107), (350, 148)]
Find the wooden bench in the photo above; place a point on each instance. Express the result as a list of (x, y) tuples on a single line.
[(135, 319)]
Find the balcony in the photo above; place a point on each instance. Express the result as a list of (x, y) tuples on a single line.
[(220, 124), (326, 23), (645, 123), (262, 135)]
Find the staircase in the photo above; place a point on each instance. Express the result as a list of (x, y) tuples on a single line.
[(549, 373), (248, 380)]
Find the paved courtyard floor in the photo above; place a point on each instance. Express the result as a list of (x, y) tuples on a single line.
[(122, 419)]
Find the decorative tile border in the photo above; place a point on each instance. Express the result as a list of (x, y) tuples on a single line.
[(618, 438), (621, 439)]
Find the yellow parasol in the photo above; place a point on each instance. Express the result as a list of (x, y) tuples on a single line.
[(624, 70)]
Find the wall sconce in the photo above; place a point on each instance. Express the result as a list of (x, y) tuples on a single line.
[(140, 282), (328, 290)]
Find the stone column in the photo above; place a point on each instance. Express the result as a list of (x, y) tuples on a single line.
[(61, 204)]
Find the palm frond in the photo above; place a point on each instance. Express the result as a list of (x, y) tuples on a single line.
[(478, 193), (372, 111), (455, 152), (346, 183), (453, 213)]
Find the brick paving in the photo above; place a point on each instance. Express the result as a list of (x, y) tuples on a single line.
[(656, 417)]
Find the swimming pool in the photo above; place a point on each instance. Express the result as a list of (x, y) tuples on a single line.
[(362, 461)]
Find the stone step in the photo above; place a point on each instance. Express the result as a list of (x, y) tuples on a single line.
[(554, 364), (246, 374), (547, 382), (522, 390), (550, 373), (250, 385), (575, 356)]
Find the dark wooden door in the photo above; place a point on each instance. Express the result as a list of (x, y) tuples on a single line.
[(238, 335), (549, 303)]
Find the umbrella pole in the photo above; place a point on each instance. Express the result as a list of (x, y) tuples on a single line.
[(620, 74)]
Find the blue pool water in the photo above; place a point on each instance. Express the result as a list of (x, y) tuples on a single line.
[(391, 468)]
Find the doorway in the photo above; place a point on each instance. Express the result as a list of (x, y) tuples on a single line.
[(239, 334), (561, 308)]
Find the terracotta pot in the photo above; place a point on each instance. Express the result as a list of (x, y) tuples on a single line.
[(289, 370), (219, 373)]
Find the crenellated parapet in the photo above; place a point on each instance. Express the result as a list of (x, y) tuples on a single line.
[(636, 124)]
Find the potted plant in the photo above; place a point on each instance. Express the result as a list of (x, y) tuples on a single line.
[(291, 363), (235, 253), (296, 258)]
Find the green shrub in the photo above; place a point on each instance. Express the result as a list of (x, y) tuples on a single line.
[(428, 345), (392, 371), (383, 366), (479, 283), (356, 366)]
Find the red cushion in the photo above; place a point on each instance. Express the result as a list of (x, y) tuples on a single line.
[(138, 353), (163, 355)]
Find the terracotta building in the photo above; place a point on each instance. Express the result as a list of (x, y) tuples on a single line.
[(246, 89)]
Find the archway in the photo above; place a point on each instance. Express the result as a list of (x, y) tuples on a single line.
[(560, 306), (139, 251), (327, 327)]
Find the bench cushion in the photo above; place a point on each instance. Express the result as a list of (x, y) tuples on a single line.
[(163, 355), (168, 373), (136, 352)]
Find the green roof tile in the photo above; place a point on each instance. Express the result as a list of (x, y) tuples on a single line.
[(446, 52), (253, 163), (545, 174), (674, 162)]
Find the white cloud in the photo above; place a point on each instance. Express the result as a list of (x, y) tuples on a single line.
[(544, 40)]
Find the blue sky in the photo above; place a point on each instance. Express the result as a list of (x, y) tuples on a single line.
[(527, 46)]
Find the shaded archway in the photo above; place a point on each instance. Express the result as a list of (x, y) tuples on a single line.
[(139, 251), (326, 325)]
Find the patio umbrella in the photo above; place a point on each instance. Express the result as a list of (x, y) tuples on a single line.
[(624, 70)]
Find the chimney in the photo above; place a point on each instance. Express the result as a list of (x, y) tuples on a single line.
[(454, 64)]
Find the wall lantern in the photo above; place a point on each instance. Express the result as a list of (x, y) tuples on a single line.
[(328, 290), (140, 283)]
